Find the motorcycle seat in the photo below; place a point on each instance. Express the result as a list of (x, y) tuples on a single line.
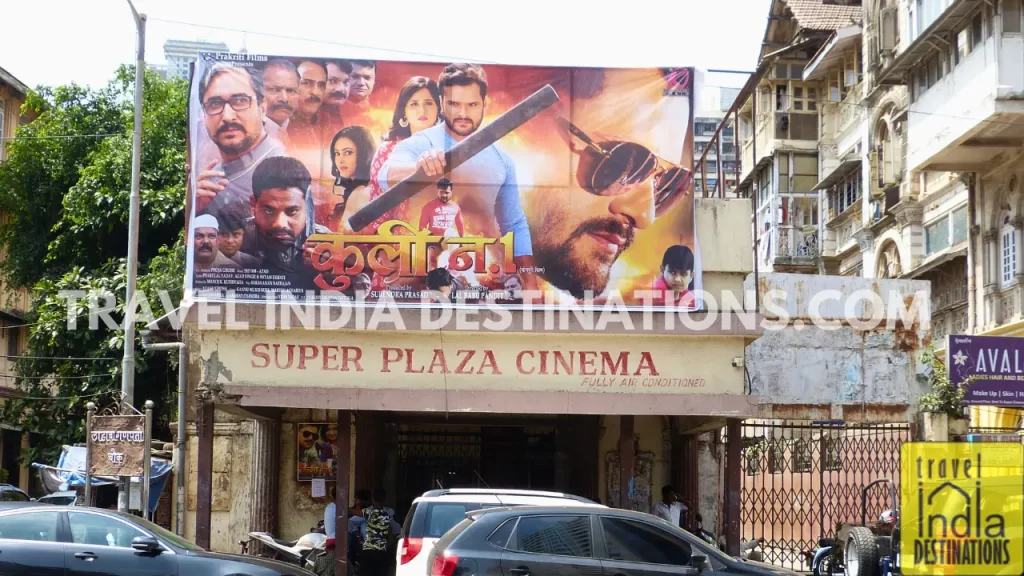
[(827, 542), (286, 543)]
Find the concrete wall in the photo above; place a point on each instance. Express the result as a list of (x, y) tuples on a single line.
[(725, 235), (232, 458), (653, 437), (851, 373)]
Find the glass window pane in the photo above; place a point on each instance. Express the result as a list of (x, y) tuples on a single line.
[(558, 535), (96, 530), (805, 164), (1011, 17), (936, 236), (630, 541), (960, 225), (804, 184), (36, 526)]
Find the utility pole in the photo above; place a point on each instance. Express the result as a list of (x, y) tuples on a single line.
[(128, 363)]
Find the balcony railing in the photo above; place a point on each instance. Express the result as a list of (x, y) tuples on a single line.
[(792, 245)]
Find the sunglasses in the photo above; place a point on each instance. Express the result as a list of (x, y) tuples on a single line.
[(608, 168), (308, 434)]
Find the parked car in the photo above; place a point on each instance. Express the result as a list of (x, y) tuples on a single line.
[(46, 540), (437, 511), (579, 541), (10, 493), (65, 498)]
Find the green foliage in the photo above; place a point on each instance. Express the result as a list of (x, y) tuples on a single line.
[(945, 397), (67, 200)]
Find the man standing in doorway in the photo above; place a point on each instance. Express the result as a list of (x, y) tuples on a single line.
[(671, 508), (378, 527)]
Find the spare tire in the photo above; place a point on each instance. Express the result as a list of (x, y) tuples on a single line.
[(861, 552)]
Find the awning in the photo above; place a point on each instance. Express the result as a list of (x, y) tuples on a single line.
[(844, 168), (831, 53), (70, 472), (936, 261), (943, 27)]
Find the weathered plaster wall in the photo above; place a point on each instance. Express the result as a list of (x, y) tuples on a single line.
[(711, 479), (232, 458)]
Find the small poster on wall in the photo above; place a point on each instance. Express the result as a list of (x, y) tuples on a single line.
[(317, 446)]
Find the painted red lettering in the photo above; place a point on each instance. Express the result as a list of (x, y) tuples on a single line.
[(587, 363), (408, 363), (307, 352), (461, 368), (560, 361), (489, 361), (544, 362), (330, 355), (260, 351), (519, 362), (388, 360), (617, 367), (439, 360), (356, 353), (646, 363), (277, 356)]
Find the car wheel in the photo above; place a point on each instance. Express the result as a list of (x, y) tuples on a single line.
[(861, 552)]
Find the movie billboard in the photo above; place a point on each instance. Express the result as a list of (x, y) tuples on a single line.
[(417, 182), (316, 451)]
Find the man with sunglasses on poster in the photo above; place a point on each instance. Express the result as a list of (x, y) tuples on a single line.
[(621, 187), (463, 100)]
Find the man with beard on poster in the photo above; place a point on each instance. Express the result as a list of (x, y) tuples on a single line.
[(232, 102), (338, 83), (282, 208), (205, 236), (304, 129), (489, 174), (620, 187)]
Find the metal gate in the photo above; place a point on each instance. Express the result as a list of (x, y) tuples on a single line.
[(802, 480)]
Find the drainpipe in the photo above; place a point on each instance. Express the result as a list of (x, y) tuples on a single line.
[(971, 296), (179, 465)]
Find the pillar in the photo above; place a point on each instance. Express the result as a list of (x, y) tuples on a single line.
[(992, 278), (204, 474), (266, 448), (733, 487), (341, 501), (627, 454)]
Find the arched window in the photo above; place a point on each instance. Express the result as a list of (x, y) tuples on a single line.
[(1008, 251), (888, 265)]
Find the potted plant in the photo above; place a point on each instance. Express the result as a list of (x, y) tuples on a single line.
[(942, 408)]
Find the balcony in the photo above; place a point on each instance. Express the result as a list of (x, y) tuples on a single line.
[(791, 247), (964, 117), (779, 128)]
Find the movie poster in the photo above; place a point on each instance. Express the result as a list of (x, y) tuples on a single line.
[(424, 182), (317, 447)]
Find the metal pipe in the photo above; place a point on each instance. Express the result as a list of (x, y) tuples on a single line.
[(91, 409), (753, 194), (972, 194), (147, 461), (128, 363), (179, 463)]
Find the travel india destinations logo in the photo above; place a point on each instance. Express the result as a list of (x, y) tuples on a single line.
[(962, 508)]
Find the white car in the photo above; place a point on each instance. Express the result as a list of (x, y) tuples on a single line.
[(437, 511)]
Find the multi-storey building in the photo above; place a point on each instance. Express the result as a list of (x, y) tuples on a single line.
[(181, 53), (14, 302), (709, 114)]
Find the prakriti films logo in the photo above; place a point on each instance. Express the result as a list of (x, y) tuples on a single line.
[(962, 510)]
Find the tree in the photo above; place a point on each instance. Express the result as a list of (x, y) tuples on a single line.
[(65, 189)]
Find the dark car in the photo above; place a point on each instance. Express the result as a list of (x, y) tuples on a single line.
[(10, 493), (45, 540), (578, 541)]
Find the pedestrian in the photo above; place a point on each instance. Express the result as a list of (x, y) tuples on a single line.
[(671, 508), (378, 527)]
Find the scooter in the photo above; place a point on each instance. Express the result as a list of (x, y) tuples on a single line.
[(293, 552), (827, 560)]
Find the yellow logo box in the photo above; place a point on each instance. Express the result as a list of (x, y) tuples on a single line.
[(962, 508)]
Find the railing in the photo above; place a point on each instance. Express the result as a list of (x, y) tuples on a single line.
[(845, 232), (795, 242)]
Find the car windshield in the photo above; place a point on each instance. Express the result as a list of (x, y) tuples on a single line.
[(161, 533), (58, 500)]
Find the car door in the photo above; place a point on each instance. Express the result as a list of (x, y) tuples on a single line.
[(636, 548), (546, 545), (101, 545), (30, 543)]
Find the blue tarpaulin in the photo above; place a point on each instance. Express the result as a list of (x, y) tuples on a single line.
[(70, 473)]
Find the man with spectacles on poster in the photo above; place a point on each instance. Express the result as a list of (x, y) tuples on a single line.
[(232, 102)]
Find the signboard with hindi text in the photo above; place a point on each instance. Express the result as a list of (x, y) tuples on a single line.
[(116, 446), (417, 182)]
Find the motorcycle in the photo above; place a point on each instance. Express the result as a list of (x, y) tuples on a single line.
[(293, 551), (827, 560)]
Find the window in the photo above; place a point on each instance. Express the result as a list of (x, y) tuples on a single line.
[(632, 541), (976, 30), (1009, 260), (36, 526), (443, 516), (97, 530), (801, 453), (936, 236), (13, 341), (500, 536), (959, 226), (13, 495), (833, 454), (963, 47), (1011, 17), (776, 458), (805, 172), (728, 148), (557, 535)]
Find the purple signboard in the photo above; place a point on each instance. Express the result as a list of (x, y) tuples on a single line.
[(996, 362)]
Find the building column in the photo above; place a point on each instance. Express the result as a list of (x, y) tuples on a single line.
[(992, 278), (866, 243), (733, 485), (341, 501), (266, 449), (627, 455), (204, 473), (1018, 291)]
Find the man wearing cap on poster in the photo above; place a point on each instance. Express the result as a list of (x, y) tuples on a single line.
[(232, 104), (205, 238)]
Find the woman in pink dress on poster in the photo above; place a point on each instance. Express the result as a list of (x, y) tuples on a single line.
[(418, 108)]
